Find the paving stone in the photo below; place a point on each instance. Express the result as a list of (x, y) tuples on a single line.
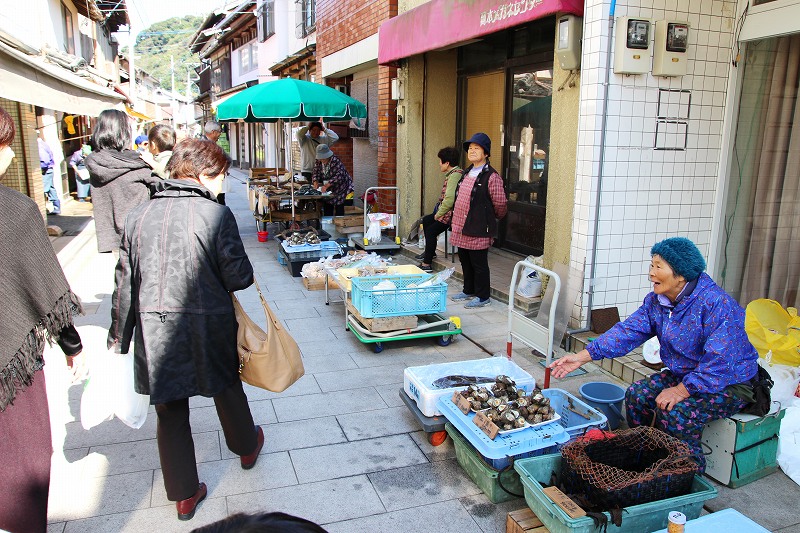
[(303, 386), (203, 419), (74, 495), (109, 432), (325, 501), (379, 423), (444, 517), (413, 486), (227, 477), (142, 455), (312, 348), (294, 435), (391, 394), (328, 363), (162, 519), (490, 517), (444, 451), (357, 378), (353, 458), (327, 404), (57, 527)]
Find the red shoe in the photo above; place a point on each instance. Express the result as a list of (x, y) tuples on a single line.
[(249, 461), (187, 507)]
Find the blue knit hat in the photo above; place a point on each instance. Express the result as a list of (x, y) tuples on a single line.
[(682, 255), (482, 140)]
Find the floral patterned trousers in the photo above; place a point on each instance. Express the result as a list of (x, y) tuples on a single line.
[(687, 419)]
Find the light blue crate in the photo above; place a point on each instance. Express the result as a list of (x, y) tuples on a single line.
[(281, 259), (402, 300), (577, 417)]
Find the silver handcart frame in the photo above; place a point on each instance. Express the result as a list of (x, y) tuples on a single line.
[(387, 244)]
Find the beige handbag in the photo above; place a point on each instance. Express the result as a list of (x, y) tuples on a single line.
[(269, 360)]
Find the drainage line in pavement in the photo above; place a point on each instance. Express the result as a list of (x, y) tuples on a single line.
[(476, 343)]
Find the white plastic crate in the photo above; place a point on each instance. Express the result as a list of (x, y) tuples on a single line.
[(418, 380)]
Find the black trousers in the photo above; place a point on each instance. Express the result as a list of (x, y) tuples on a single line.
[(475, 265), (176, 446), (432, 229), (335, 210)]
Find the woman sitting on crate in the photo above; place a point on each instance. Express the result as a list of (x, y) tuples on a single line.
[(710, 362), (437, 222), (329, 171)]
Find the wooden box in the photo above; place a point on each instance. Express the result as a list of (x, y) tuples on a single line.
[(380, 324), (524, 521), (318, 284)]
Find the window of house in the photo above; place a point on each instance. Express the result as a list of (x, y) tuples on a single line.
[(306, 17), (760, 239), (266, 20), (248, 57), (69, 34)]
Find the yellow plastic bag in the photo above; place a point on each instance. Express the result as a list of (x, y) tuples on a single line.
[(770, 327)]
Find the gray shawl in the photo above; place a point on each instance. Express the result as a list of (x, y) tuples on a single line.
[(35, 299)]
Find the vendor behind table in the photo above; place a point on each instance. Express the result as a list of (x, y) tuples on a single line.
[(330, 172), (309, 137)]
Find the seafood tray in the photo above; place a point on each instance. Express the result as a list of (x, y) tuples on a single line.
[(501, 451), (404, 299), (418, 380)]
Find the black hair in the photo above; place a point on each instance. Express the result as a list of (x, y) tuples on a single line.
[(113, 131), (261, 523), (315, 124), (162, 136), (449, 154)]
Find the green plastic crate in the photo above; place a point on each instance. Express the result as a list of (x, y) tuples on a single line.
[(536, 471), (482, 474)]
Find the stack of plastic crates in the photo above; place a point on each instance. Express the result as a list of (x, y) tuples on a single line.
[(405, 299), (306, 253)]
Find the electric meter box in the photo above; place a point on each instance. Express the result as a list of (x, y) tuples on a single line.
[(671, 43), (632, 45), (568, 44)]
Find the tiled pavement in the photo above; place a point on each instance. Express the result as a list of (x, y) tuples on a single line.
[(341, 448)]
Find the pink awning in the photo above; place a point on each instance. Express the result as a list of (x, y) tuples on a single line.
[(444, 23)]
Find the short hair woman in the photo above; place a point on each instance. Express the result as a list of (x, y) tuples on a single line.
[(181, 257)]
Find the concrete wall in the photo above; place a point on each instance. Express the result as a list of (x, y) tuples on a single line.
[(561, 172), (364, 88)]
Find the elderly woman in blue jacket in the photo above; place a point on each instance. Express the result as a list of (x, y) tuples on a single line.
[(710, 362)]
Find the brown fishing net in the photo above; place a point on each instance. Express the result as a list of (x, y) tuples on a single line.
[(632, 466)]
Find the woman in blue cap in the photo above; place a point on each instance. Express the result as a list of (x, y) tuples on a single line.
[(480, 202), (710, 361)]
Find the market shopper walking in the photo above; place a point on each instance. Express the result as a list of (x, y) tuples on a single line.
[(120, 178), (438, 222), (161, 142), (78, 164), (309, 138), (212, 131), (480, 202), (36, 305), (47, 164), (180, 259), (700, 328)]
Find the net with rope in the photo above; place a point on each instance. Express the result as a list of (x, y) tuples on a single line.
[(629, 467)]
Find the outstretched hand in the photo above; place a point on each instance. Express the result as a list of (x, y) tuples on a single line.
[(564, 365)]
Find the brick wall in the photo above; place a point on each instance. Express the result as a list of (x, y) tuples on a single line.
[(341, 23), (387, 138), (24, 174)]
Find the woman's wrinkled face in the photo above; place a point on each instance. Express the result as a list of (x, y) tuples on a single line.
[(475, 154), (664, 279), (6, 156)]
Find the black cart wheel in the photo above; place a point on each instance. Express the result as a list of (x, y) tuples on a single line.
[(444, 340), (378, 347)]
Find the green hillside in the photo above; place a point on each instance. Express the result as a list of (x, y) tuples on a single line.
[(171, 37)]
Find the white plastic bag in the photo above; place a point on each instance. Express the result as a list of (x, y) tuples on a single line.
[(651, 351), (530, 286), (789, 444), (109, 392), (785, 379), (374, 232)]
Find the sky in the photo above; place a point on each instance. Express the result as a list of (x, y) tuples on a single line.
[(143, 13)]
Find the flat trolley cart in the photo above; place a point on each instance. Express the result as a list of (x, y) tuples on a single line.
[(386, 244), (443, 329), (406, 307)]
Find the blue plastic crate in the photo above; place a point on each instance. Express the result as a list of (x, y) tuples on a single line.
[(504, 448), (281, 259), (400, 301), (577, 417)]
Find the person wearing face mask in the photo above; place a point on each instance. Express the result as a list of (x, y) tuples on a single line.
[(181, 257), (36, 305), (700, 328)]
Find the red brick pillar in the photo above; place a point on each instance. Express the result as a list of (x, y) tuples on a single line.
[(387, 139)]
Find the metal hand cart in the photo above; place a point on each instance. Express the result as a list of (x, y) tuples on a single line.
[(433, 325), (527, 330), (386, 244)]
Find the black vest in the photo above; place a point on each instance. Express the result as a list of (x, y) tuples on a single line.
[(481, 221)]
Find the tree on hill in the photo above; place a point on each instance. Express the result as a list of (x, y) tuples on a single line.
[(170, 37)]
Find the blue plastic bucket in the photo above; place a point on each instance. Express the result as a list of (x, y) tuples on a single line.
[(605, 397)]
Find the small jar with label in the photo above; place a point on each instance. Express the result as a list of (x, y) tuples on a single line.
[(677, 522)]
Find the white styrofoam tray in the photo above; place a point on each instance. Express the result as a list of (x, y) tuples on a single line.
[(418, 380)]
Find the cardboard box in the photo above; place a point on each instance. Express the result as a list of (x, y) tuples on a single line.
[(524, 521), (318, 284)]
